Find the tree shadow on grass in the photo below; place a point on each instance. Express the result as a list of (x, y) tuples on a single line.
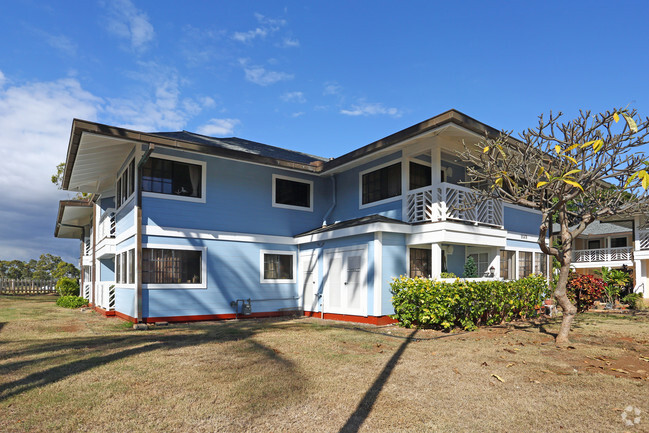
[(93, 352), (364, 408)]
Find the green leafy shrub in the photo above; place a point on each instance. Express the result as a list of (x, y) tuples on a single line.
[(634, 301), (470, 269), (69, 301), (584, 290), (67, 286), (447, 275), (466, 304)]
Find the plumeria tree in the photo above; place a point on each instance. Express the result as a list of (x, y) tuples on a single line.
[(574, 172)]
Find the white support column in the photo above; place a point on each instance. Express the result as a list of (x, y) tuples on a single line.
[(495, 262), (436, 260), (516, 258), (378, 273)]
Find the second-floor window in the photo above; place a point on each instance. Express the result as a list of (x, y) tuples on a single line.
[(618, 242), (420, 175), (381, 184), (165, 176), (292, 193), (125, 185)]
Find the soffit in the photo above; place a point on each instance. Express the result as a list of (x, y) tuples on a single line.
[(97, 161)]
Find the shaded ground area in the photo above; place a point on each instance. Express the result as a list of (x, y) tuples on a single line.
[(67, 370)]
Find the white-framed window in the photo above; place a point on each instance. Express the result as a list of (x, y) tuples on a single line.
[(277, 266), (125, 186), (174, 178), (481, 262), (292, 193), (380, 184), (174, 267), (125, 267)]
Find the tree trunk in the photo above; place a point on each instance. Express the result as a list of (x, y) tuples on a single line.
[(569, 310)]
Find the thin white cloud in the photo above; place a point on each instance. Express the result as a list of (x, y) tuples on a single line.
[(268, 26), (250, 35), (129, 23), (218, 127), (290, 43), (293, 97), (159, 105), (332, 88), (2, 80), (298, 114), (370, 109), (276, 22), (62, 43), (261, 76)]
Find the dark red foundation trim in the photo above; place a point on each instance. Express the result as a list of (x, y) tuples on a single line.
[(204, 317), (105, 313), (372, 320)]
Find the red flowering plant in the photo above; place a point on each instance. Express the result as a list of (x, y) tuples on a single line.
[(584, 290)]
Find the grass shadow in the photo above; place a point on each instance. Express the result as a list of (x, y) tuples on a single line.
[(364, 408), (93, 350)]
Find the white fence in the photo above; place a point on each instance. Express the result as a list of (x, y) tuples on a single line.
[(27, 287), (452, 202)]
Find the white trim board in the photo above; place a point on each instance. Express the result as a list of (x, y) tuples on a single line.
[(287, 206)]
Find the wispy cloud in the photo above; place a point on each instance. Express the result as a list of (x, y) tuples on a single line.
[(332, 88), (262, 76), (293, 97), (129, 23), (62, 43), (370, 109), (266, 27), (290, 42), (159, 105), (250, 35), (35, 123), (218, 127)]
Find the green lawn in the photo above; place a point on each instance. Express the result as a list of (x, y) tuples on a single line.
[(68, 370)]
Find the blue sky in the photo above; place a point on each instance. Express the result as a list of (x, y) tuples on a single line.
[(319, 77)]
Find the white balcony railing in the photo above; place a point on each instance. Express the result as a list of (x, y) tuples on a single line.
[(105, 292), (106, 228), (452, 202), (86, 290), (643, 238), (603, 255)]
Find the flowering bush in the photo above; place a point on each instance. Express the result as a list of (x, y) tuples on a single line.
[(467, 304), (584, 290)]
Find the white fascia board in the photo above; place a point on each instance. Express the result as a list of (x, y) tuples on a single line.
[(454, 233), (354, 231), (216, 235)]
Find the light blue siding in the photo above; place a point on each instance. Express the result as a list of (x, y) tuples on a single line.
[(233, 272), (521, 221), (458, 172), (107, 269), (394, 265), (455, 261), (348, 190), (125, 217), (239, 199), (125, 301), (126, 244)]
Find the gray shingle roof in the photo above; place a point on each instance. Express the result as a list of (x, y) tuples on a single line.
[(241, 145), (599, 228)]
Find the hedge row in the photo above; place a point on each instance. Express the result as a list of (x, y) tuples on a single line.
[(466, 304)]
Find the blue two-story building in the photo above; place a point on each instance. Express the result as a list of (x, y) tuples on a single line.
[(183, 226)]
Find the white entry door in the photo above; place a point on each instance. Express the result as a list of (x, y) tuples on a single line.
[(308, 281), (345, 281)]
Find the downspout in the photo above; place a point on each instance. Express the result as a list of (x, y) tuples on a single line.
[(138, 234), (333, 204)]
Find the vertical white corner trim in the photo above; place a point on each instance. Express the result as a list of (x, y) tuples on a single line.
[(378, 273)]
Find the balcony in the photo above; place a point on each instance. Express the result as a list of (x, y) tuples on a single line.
[(621, 254), (447, 201), (106, 228)]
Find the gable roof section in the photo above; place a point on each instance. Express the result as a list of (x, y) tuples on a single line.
[(250, 151), (448, 117)]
